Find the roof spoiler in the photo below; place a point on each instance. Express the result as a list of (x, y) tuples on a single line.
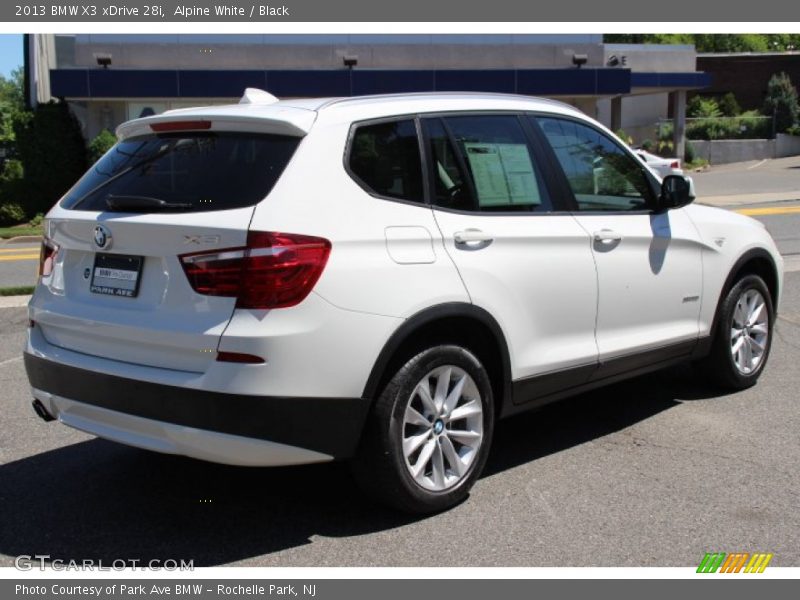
[(257, 96)]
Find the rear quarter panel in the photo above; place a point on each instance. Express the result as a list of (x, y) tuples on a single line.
[(316, 196)]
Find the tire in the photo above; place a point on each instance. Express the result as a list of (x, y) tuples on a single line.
[(724, 365), (442, 456)]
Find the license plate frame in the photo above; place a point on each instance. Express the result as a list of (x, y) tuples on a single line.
[(117, 275)]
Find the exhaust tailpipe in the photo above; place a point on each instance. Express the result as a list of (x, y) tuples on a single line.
[(40, 410)]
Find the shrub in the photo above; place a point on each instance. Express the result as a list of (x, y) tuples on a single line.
[(12, 171), (664, 132), (781, 102), (729, 106), (699, 107), (688, 153), (753, 126), (11, 213), (620, 133), (749, 125), (37, 220), (53, 153), (11, 187), (101, 144), (705, 129)]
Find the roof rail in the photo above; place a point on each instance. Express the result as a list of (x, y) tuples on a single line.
[(444, 94), (257, 96)]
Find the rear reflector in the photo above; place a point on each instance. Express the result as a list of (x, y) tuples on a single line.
[(239, 357), (180, 126), (274, 270)]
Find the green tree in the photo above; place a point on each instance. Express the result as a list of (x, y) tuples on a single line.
[(781, 101), (11, 88), (737, 42), (12, 108), (12, 103), (714, 42), (53, 154)]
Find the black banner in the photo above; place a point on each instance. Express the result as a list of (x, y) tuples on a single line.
[(395, 589), (475, 11)]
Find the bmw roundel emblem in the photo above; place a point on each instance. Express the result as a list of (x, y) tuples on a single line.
[(102, 237)]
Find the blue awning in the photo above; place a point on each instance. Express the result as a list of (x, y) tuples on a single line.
[(155, 83)]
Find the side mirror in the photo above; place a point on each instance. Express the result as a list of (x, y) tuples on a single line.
[(676, 191)]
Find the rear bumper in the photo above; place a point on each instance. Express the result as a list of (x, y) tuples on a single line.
[(214, 426)]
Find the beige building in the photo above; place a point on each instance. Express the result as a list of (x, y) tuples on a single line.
[(111, 78)]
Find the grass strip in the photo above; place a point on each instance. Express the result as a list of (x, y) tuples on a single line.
[(17, 290)]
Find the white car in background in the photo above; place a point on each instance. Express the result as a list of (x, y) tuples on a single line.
[(378, 279), (662, 166)]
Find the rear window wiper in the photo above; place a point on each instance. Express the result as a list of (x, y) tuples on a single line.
[(149, 159), (126, 203)]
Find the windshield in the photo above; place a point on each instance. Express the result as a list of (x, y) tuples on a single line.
[(195, 171)]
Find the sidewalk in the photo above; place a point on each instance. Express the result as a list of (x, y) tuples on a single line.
[(13, 301)]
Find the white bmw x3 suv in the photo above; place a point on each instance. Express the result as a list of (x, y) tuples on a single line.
[(378, 279)]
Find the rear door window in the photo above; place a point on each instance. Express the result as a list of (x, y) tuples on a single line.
[(484, 163), (192, 171)]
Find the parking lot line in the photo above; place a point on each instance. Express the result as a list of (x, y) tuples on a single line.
[(19, 257), (19, 249), (758, 164), (770, 210)]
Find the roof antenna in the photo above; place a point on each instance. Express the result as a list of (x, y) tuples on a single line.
[(257, 96)]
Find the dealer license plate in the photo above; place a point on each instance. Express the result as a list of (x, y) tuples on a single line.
[(116, 275)]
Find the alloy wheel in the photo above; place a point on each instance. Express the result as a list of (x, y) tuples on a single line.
[(749, 331), (442, 428)]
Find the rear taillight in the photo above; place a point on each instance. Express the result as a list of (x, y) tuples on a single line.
[(675, 164), (47, 256), (275, 270)]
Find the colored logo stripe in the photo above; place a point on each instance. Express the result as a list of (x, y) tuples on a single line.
[(758, 563), (711, 562), (734, 563)]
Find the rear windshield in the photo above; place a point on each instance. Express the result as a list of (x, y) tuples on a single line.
[(190, 172)]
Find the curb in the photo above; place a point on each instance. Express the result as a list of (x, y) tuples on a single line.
[(20, 239)]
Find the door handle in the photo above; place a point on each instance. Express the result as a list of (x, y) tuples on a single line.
[(472, 236), (606, 236)]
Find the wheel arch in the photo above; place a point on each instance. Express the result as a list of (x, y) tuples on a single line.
[(756, 261), (454, 322)]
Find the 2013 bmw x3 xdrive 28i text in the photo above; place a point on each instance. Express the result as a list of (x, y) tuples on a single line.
[(378, 279)]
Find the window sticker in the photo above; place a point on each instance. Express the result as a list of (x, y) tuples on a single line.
[(503, 174)]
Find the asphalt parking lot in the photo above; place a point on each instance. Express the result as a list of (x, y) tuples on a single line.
[(652, 472), (19, 262), (656, 471)]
